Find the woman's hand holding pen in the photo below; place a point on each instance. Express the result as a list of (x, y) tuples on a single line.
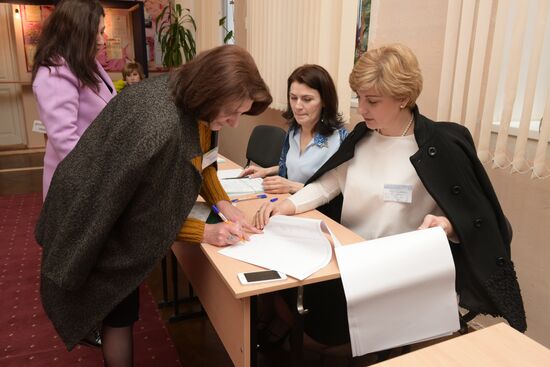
[(285, 207), (222, 234)]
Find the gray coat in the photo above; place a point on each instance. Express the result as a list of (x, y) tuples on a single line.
[(115, 205)]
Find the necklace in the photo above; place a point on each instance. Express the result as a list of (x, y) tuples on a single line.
[(408, 126)]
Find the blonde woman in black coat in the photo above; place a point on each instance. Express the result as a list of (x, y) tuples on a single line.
[(399, 171)]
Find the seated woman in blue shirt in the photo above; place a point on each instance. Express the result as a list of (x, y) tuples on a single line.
[(314, 135)]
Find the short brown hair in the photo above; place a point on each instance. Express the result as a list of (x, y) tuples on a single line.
[(130, 67), (391, 70), (216, 78)]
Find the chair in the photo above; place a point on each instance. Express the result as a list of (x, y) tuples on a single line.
[(265, 145)]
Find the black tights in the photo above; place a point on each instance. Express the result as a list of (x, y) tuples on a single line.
[(118, 346)]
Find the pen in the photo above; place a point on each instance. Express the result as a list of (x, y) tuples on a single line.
[(223, 217), (261, 196), (234, 178), (220, 214), (273, 200)]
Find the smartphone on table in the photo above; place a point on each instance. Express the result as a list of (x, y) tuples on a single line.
[(255, 277)]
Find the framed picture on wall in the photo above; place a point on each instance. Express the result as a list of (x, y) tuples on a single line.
[(152, 9), (125, 38)]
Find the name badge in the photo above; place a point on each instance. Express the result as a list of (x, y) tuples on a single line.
[(209, 157), (398, 193)]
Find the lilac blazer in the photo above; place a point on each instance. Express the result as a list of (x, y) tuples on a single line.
[(66, 108)]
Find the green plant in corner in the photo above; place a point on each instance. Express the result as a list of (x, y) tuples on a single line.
[(175, 36)]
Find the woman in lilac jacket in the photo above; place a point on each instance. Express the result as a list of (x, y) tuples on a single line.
[(70, 86)]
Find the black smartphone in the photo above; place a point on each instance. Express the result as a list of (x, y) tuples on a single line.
[(260, 276)]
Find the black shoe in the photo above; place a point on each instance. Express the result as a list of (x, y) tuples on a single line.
[(92, 340)]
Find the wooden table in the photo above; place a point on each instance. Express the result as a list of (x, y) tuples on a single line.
[(229, 304), (495, 346)]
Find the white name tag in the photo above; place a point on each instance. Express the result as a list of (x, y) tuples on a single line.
[(398, 193), (209, 157)]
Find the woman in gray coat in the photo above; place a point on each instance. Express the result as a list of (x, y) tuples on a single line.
[(117, 201)]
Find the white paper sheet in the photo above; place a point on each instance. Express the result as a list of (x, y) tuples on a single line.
[(229, 173), (242, 186), (292, 245), (399, 289)]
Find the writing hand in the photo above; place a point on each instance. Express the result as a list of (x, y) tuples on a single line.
[(222, 234)]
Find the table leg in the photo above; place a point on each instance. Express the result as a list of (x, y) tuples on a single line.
[(253, 331), (297, 332)]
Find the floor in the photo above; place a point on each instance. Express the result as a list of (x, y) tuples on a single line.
[(198, 344), (196, 340)]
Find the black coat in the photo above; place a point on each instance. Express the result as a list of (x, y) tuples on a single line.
[(447, 164)]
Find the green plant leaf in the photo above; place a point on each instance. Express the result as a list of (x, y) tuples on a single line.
[(177, 42), (228, 36)]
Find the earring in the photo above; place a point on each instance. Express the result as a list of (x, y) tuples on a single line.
[(402, 106)]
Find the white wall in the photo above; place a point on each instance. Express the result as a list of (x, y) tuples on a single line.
[(420, 25)]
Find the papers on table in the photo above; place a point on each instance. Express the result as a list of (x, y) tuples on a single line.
[(399, 289), (229, 173), (242, 186), (292, 245), (239, 186)]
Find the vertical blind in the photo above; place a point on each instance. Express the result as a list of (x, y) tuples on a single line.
[(208, 14), (496, 79), (285, 34)]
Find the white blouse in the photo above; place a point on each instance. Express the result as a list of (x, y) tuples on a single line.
[(383, 195)]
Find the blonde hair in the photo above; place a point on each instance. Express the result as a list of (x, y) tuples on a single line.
[(392, 70)]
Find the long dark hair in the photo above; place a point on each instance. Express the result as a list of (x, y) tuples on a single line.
[(316, 77), (70, 33), (217, 77)]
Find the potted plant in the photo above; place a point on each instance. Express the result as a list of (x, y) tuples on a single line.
[(175, 35)]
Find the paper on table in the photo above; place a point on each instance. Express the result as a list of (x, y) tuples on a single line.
[(229, 173), (242, 186), (399, 289), (292, 245)]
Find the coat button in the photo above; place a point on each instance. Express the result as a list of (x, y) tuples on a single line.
[(501, 261), (432, 151), (456, 189), (477, 223)]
